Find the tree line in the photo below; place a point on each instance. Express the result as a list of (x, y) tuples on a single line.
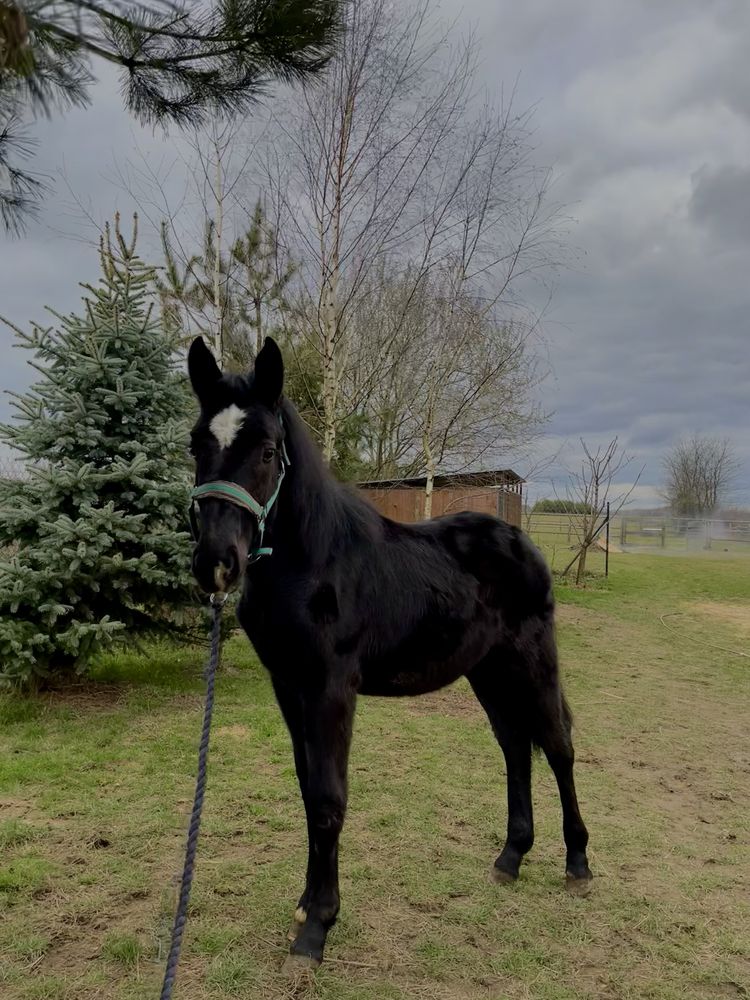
[(384, 226), (386, 248), (393, 229)]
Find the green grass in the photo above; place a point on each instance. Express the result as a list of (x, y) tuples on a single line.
[(96, 785), (124, 949)]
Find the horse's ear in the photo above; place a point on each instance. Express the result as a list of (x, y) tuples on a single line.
[(269, 374), (202, 368)]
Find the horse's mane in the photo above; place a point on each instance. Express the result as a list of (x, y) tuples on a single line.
[(324, 512)]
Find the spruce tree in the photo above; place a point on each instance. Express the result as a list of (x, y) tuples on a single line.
[(93, 546)]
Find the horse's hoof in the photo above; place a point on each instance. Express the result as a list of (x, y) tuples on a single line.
[(501, 877), (299, 968), (579, 885)]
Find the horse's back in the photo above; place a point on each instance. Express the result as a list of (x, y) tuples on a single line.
[(453, 589), (502, 559)]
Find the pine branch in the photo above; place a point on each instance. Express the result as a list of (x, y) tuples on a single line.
[(181, 65)]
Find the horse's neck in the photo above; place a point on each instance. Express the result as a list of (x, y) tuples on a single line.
[(311, 502)]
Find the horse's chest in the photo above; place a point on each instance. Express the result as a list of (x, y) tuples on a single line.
[(279, 627)]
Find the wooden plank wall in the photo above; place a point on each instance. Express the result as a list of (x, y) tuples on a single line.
[(406, 504)]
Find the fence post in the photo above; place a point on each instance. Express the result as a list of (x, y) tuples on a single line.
[(623, 530), (606, 550), (664, 534)]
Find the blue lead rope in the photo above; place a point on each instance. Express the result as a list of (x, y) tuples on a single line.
[(217, 602)]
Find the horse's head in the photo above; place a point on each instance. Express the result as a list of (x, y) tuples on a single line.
[(238, 446)]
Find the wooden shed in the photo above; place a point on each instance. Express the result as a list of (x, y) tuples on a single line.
[(499, 493)]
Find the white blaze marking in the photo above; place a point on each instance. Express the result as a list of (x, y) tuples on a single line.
[(225, 424)]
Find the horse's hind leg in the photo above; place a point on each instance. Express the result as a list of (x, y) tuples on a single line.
[(494, 689), (551, 725), (555, 739), (521, 693)]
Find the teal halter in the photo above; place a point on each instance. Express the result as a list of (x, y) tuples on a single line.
[(221, 489)]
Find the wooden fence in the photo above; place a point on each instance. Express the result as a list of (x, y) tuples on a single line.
[(407, 504)]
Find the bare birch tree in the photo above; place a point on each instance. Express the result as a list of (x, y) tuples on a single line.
[(592, 487), (233, 283), (699, 472), (224, 274), (475, 378), (389, 158), (457, 380)]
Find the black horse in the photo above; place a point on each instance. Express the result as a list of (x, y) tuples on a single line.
[(350, 602)]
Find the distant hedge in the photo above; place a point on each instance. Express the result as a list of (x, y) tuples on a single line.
[(561, 507)]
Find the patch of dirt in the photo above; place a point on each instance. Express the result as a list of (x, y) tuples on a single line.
[(79, 938), (90, 696), (85, 695), (601, 544), (735, 615), (457, 702), (238, 731), (12, 808), (572, 614)]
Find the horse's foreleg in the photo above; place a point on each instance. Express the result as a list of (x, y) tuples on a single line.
[(290, 704), (328, 720)]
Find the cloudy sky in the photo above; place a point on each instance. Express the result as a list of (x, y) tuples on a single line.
[(643, 112)]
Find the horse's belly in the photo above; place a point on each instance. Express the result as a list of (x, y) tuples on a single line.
[(434, 654), (409, 682), (393, 676)]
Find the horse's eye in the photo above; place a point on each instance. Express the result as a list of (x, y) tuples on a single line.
[(268, 454)]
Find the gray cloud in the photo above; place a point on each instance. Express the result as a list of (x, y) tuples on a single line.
[(643, 111), (720, 201)]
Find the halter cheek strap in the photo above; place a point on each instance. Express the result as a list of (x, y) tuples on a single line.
[(222, 489)]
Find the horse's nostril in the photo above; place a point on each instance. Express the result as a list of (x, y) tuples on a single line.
[(227, 571), (217, 572), (233, 563)]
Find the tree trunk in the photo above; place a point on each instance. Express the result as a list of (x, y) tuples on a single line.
[(258, 325), (581, 565), (329, 372), (430, 470), (219, 336), (332, 319)]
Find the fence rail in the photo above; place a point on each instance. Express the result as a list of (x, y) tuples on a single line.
[(634, 532)]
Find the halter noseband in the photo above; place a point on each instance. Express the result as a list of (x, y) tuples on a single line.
[(221, 489)]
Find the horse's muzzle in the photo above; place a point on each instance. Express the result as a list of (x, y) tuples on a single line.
[(217, 575)]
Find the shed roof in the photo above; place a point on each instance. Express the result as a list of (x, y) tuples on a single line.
[(496, 477)]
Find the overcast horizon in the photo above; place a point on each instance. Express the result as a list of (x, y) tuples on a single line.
[(643, 116)]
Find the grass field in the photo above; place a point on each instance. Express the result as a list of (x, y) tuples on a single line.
[(95, 786)]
